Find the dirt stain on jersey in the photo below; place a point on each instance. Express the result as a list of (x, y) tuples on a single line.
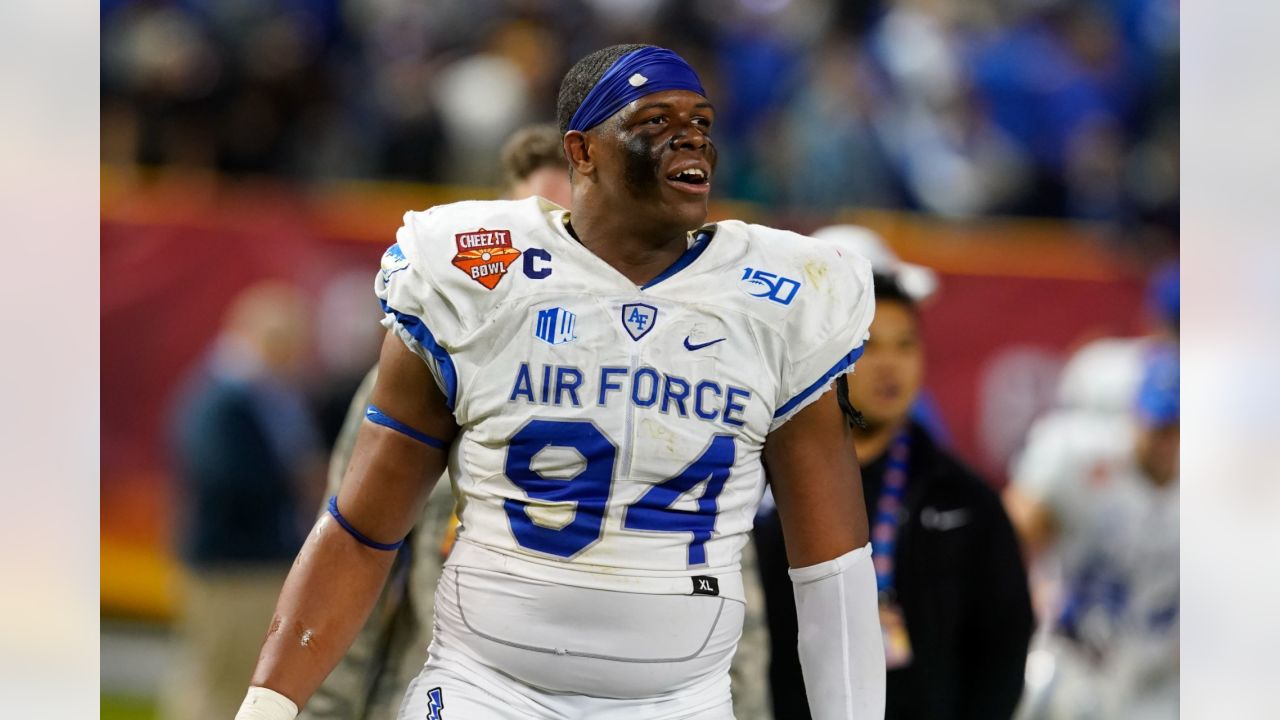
[(815, 271), (669, 439)]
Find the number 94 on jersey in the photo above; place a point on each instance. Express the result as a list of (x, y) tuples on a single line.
[(588, 491)]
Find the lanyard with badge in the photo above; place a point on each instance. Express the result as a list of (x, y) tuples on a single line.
[(884, 541)]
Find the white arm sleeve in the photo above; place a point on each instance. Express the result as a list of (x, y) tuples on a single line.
[(841, 648), (266, 704)]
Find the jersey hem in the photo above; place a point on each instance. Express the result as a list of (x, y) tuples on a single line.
[(467, 553)]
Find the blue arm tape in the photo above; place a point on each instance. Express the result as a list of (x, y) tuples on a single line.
[(376, 416), (333, 510)]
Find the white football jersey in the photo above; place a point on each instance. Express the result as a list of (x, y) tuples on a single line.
[(1117, 548), (606, 427)]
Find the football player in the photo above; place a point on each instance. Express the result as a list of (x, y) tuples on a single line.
[(606, 386)]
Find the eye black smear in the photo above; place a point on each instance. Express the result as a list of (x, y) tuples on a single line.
[(643, 165)]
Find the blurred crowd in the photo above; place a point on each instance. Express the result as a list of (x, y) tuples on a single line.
[(959, 108)]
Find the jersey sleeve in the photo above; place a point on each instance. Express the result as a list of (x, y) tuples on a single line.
[(414, 306), (1063, 448), (1041, 469), (831, 331)]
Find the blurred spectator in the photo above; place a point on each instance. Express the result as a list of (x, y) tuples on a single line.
[(475, 126), (918, 282), (533, 164), (1057, 107), (1093, 410), (1095, 495), (954, 606), (1102, 376), (1068, 456), (825, 150), (346, 348), (952, 158), (248, 459)]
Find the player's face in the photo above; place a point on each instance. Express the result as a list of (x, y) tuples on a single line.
[(661, 155), (284, 342), (891, 369)]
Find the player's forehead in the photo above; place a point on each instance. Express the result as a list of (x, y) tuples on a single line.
[(667, 101)]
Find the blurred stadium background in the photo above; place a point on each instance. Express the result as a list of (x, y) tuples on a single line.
[(1027, 150)]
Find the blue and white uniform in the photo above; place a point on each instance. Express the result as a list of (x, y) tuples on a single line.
[(1115, 617), (608, 464)]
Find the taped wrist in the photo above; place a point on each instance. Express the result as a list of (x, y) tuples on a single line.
[(840, 644), (266, 704)]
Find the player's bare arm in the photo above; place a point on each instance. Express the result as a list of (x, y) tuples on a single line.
[(336, 577), (817, 485), (813, 471), (1034, 521)]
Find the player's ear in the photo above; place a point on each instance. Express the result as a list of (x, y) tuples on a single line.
[(577, 148)]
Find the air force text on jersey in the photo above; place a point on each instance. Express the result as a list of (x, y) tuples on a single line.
[(643, 387), (604, 424)]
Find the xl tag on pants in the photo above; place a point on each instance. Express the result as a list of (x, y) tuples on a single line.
[(705, 585)]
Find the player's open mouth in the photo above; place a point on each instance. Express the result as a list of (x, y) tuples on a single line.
[(691, 180)]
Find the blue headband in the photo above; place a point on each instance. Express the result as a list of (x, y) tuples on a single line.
[(634, 75)]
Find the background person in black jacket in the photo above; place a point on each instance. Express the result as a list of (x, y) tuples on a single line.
[(955, 608)]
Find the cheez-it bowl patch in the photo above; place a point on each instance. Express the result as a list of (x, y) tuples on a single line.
[(485, 255)]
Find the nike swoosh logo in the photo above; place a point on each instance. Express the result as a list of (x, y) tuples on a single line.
[(690, 346), (943, 520)]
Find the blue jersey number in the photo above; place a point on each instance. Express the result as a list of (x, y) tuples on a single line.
[(589, 490), (653, 510)]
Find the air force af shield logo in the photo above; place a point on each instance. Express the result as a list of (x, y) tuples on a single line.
[(638, 319)]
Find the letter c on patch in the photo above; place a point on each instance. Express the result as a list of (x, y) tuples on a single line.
[(530, 257)]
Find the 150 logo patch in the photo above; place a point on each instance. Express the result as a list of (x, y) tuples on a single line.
[(767, 285)]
